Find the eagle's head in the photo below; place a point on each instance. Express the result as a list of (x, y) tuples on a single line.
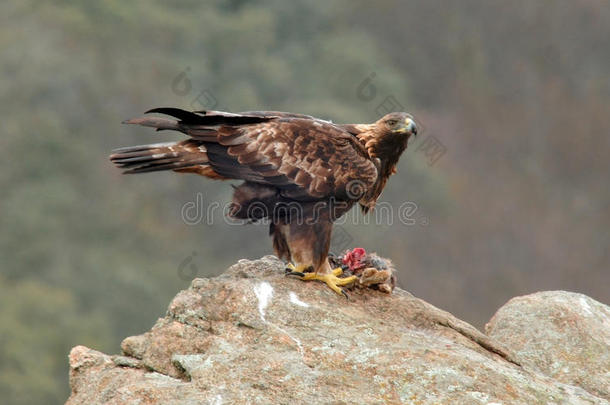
[(387, 138), (399, 123)]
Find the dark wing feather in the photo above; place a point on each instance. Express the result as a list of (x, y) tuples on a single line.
[(209, 118)]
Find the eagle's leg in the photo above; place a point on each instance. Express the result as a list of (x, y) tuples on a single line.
[(312, 261)]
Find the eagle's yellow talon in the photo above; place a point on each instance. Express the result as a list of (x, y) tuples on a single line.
[(331, 279)]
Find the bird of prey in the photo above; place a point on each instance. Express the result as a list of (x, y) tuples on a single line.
[(300, 173)]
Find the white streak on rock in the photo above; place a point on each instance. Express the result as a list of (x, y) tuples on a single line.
[(263, 292), (295, 300)]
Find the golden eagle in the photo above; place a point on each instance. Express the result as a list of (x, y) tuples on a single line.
[(300, 173)]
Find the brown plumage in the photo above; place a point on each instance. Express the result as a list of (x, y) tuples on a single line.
[(300, 173)]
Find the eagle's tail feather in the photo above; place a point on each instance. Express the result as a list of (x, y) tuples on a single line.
[(185, 156)]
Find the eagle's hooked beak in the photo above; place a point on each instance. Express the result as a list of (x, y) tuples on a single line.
[(409, 127)]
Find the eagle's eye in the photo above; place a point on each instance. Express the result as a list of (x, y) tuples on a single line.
[(392, 122)]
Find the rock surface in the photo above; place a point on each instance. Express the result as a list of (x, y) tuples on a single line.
[(255, 336), (560, 334)]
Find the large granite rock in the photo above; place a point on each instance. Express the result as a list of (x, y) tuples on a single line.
[(255, 336)]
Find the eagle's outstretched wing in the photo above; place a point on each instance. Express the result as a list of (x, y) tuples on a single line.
[(305, 158)]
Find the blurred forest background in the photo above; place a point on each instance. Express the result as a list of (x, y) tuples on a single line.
[(516, 94)]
